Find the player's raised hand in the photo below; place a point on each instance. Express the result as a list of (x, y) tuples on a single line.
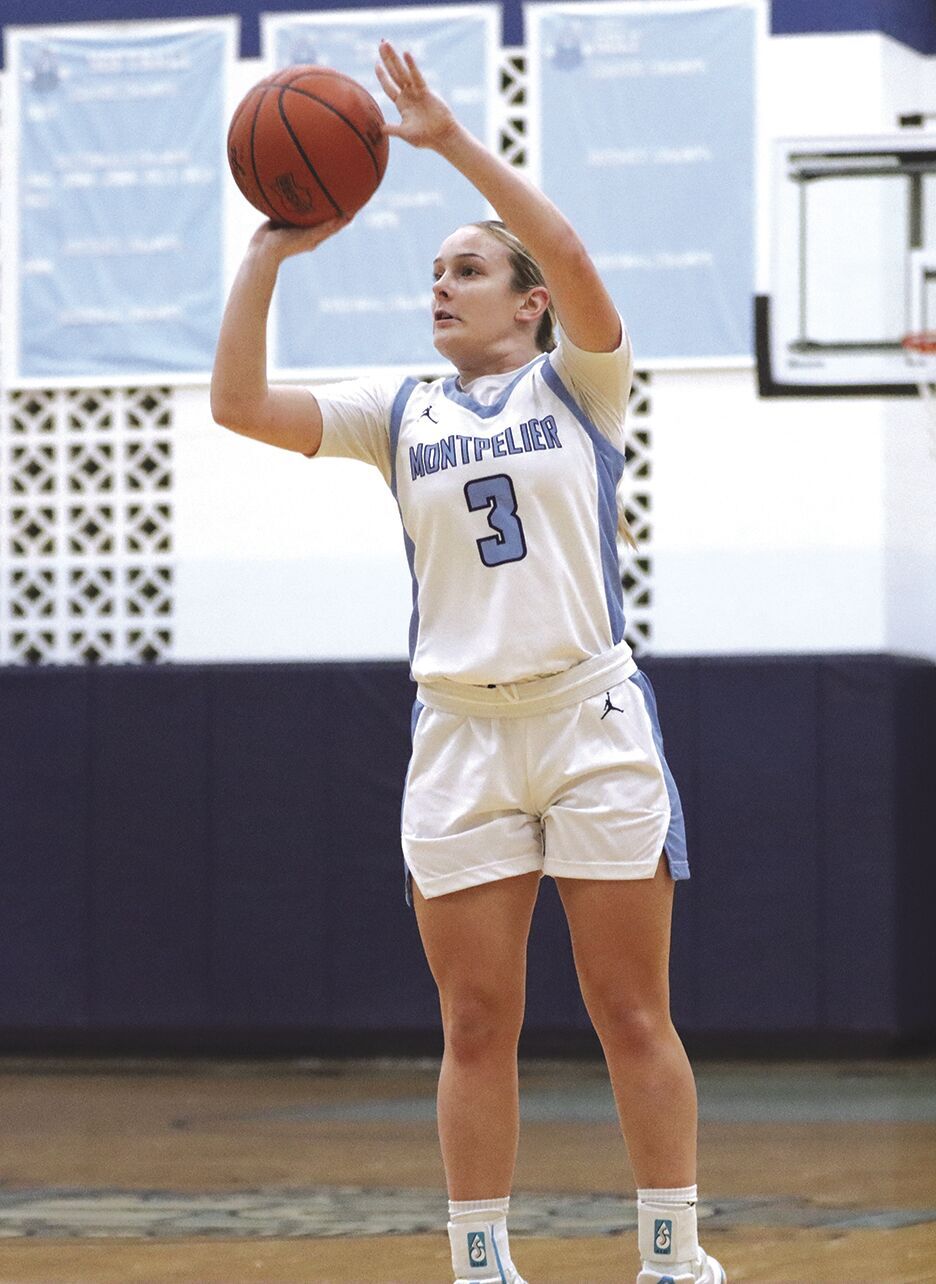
[(425, 119), (283, 241)]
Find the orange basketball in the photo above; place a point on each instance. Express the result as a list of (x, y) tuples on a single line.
[(306, 144)]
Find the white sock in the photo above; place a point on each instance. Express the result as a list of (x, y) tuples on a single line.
[(478, 1237), (667, 1233)]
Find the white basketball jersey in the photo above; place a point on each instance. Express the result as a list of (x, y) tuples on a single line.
[(509, 514)]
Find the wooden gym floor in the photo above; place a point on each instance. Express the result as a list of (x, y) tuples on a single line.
[(305, 1171)]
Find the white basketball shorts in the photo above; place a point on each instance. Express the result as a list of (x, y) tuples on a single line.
[(580, 791)]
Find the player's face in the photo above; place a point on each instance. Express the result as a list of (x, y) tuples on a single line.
[(474, 306)]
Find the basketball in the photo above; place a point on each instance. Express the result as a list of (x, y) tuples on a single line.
[(306, 144)]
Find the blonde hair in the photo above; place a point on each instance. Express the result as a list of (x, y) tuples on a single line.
[(527, 275)]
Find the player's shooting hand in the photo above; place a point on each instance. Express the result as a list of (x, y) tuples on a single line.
[(283, 242), (425, 119)]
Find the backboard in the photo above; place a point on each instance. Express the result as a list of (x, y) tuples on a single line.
[(852, 266)]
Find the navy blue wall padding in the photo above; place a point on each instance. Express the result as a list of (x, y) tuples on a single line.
[(147, 890), (208, 858), (911, 21), (862, 843), (45, 777), (758, 793), (916, 880)]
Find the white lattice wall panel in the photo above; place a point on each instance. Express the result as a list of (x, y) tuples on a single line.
[(86, 547), (637, 565), (513, 122)]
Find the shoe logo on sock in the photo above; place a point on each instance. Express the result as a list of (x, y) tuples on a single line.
[(666, 1279), (662, 1235), (477, 1248)]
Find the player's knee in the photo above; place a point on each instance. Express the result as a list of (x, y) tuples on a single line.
[(478, 1023), (632, 1028)]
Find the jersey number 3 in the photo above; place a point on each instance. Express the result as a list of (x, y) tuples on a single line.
[(497, 494)]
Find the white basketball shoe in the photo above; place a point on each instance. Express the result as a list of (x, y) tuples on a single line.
[(707, 1271), (510, 1278)]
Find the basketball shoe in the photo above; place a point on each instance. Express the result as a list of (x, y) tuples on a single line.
[(705, 1271), (510, 1278)]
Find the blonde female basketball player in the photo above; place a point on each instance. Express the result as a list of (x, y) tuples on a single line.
[(535, 746)]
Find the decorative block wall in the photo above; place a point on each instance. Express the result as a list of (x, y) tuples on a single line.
[(86, 513)]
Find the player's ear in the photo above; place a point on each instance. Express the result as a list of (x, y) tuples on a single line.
[(533, 304)]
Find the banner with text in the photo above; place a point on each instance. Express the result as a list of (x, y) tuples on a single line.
[(362, 301), (114, 151), (643, 121)]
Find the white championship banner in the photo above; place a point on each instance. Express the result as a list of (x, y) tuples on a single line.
[(643, 132), (362, 301), (113, 162)]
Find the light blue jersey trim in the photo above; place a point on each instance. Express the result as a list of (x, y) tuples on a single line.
[(675, 842), (407, 876), (454, 393), (400, 402), (609, 469), (396, 422)]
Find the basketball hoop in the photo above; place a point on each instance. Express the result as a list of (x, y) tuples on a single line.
[(921, 353)]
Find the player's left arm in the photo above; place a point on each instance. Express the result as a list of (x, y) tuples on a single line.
[(584, 307)]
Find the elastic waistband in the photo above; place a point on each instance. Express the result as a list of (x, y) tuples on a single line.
[(536, 695)]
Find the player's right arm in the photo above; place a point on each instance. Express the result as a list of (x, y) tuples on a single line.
[(241, 397)]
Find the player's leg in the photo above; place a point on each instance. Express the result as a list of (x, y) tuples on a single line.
[(475, 857), (475, 942), (620, 937), (620, 933)]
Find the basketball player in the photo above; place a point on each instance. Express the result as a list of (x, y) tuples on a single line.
[(536, 747)]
